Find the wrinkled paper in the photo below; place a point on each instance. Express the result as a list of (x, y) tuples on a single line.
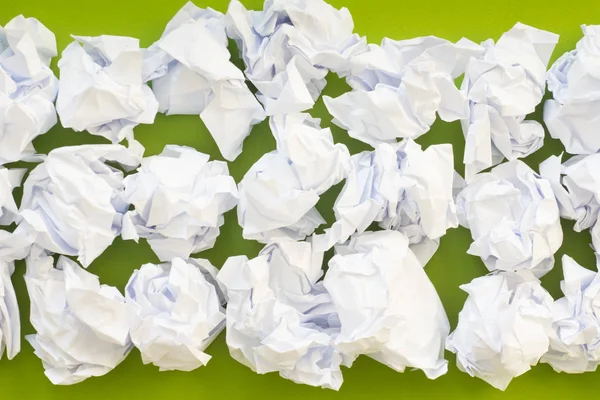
[(191, 73), (179, 312), (399, 87), (503, 86), (279, 192), (576, 186), (387, 307), (573, 114), (575, 343), (503, 328), (375, 300), (179, 198), (28, 87), (289, 47), (513, 217), (402, 187), (280, 318), (101, 89), (73, 202), (82, 327)]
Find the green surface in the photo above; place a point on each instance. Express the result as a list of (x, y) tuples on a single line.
[(223, 377)]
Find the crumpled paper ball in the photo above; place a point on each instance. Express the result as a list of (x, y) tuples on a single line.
[(73, 202), (573, 114), (179, 199), (279, 192), (513, 217), (503, 86), (575, 342), (289, 47), (577, 190), (400, 86), (402, 187), (179, 312), (387, 306), (28, 87), (101, 89), (280, 317), (576, 186), (82, 327), (503, 328), (185, 81)]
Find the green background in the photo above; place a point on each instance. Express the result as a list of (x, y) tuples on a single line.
[(223, 377)]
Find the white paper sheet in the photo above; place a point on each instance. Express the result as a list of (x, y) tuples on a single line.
[(403, 188), (73, 201), (575, 344), (279, 318), (179, 198), (191, 73), (503, 328), (101, 88), (82, 327), (399, 87), (573, 114), (179, 312), (503, 86), (28, 86), (388, 308), (513, 217), (279, 193), (288, 48)]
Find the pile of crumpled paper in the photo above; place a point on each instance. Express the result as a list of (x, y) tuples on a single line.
[(285, 310)]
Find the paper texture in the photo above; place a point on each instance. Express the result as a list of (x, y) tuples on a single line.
[(375, 300), (279, 192), (28, 87), (191, 73), (73, 202), (503, 86), (82, 327), (402, 187), (387, 307), (101, 89), (577, 190), (513, 217), (279, 317), (399, 87), (179, 198), (574, 344), (179, 312), (289, 47), (573, 114), (576, 187), (503, 328)]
